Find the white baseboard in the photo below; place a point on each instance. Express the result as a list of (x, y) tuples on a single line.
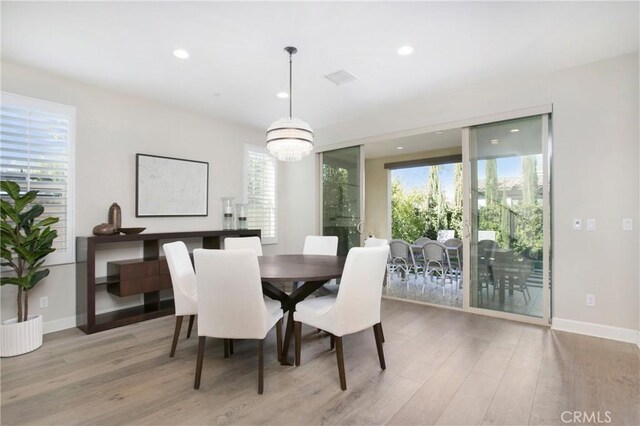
[(597, 330), (59, 324)]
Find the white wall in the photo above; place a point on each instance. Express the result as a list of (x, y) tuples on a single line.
[(111, 129), (595, 174)]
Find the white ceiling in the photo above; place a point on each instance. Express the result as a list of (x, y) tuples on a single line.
[(236, 49), (413, 144)]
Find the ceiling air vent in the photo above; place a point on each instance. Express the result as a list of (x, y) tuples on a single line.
[(341, 77)]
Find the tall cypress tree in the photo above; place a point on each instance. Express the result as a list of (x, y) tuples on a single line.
[(436, 200), (529, 180), (491, 182), (457, 186)]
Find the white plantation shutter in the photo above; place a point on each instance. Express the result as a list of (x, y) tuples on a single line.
[(260, 181), (36, 152)]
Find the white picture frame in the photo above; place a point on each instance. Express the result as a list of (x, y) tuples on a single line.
[(168, 186)]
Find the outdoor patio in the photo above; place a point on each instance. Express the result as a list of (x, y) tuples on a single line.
[(411, 289)]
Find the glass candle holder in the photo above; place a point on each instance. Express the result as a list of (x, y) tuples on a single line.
[(227, 213), (241, 216)]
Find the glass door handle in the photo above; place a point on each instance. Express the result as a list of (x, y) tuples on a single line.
[(467, 229), (359, 227)]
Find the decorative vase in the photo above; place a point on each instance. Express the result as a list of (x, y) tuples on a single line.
[(115, 216), (241, 216), (17, 338), (227, 212), (104, 229)]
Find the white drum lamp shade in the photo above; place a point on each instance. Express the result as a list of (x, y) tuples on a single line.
[(290, 139)]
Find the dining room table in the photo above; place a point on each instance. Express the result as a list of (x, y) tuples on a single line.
[(311, 271)]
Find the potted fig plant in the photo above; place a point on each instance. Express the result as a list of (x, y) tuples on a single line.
[(26, 242)]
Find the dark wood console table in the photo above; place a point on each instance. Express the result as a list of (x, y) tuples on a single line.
[(147, 275)]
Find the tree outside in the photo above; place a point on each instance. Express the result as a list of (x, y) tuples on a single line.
[(509, 205), (422, 210)]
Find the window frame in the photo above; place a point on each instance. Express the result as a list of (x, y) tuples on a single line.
[(261, 150), (68, 256)]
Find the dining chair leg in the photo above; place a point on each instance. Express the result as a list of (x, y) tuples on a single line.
[(201, 342), (279, 339), (260, 366), (377, 332), (191, 319), (176, 334), (297, 326), (381, 332), (340, 358), (332, 341), (226, 348)]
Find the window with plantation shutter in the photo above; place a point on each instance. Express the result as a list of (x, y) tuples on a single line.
[(36, 152), (260, 181)]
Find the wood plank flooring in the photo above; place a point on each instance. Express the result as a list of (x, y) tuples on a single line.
[(443, 367)]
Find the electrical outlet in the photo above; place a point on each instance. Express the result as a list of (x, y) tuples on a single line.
[(627, 224), (591, 300), (577, 224), (591, 224), (44, 302)]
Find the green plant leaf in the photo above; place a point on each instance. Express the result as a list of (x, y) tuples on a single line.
[(45, 222), (26, 219), (11, 188), (23, 201), (10, 212), (35, 278)]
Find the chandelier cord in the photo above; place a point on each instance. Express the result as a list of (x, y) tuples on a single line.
[(290, 84)]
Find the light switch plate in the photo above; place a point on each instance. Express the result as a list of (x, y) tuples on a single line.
[(627, 224), (577, 224), (591, 224)]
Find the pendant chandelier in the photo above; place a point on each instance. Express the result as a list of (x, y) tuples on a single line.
[(290, 138)]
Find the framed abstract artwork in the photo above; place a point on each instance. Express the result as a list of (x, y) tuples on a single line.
[(171, 187)]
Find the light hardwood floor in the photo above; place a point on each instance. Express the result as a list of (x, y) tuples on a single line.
[(443, 367)]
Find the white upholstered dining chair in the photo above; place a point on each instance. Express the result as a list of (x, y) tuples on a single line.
[(185, 291), (231, 304), (375, 242), (321, 245), (253, 243), (356, 307)]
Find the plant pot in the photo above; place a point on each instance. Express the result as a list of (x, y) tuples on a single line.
[(17, 338)]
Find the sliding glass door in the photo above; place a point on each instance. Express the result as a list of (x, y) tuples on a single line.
[(342, 191), (507, 217)]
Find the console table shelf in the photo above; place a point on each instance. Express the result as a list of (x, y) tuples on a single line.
[(147, 276)]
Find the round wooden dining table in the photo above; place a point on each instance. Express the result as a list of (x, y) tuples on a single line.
[(312, 271)]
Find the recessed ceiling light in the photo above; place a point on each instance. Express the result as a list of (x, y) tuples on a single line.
[(514, 130), (283, 95), (399, 147), (495, 141), (439, 133), (181, 54), (405, 50)]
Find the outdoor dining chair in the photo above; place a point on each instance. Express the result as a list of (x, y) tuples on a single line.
[(402, 260), (436, 262)]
